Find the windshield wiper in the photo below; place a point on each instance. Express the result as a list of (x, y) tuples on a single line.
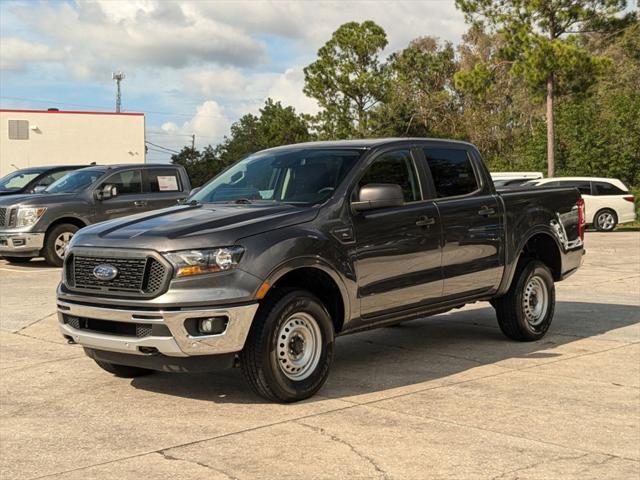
[(241, 201)]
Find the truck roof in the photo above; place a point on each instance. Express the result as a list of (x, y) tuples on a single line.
[(365, 143)]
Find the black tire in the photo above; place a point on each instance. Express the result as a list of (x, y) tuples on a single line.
[(123, 371), (260, 361), (605, 220), (17, 259), (516, 309), (49, 250)]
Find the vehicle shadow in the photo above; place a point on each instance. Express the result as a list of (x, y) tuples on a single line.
[(35, 264), (433, 349)]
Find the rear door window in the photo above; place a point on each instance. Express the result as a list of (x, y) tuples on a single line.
[(605, 188), (162, 180), (452, 171), (583, 186), (128, 182)]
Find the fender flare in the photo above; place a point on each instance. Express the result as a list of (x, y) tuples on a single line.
[(320, 264), (510, 268)]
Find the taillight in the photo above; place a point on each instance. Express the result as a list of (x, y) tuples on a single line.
[(580, 205), (629, 198)]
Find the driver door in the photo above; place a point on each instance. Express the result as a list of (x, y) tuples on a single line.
[(129, 199), (398, 252)]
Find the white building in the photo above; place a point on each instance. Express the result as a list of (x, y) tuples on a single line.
[(31, 138)]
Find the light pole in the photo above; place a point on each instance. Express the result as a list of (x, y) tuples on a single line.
[(118, 77)]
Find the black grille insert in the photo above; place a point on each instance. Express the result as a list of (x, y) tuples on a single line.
[(3, 216), (137, 275), (110, 327)]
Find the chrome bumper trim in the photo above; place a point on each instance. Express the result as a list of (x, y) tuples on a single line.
[(30, 242), (180, 344)]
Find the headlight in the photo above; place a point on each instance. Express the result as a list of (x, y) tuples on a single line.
[(27, 216), (197, 262)]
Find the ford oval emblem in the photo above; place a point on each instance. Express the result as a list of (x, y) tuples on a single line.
[(105, 272)]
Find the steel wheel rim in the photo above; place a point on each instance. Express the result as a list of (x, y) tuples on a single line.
[(299, 346), (535, 301), (61, 243), (606, 221)]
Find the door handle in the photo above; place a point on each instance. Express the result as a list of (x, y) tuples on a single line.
[(425, 221), (486, 211), (140, 203)]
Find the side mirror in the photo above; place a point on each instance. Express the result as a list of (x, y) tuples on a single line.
[(195, 190), (39, 188), (378, 195), (106, 192)]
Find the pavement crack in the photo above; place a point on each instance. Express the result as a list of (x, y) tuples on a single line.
[(537, 464), (33, 323), (168, 456), (337, 439)]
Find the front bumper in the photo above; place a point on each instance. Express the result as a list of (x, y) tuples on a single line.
[(21, 244), (180, 343)]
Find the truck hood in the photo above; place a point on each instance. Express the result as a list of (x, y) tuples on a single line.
[(187, 226), (34, 199)]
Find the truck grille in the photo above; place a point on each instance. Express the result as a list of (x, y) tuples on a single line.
[(3, 216), (137, 276)]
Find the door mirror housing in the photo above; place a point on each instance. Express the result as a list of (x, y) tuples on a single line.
[(378, 195), (106, 192), (39, 188)]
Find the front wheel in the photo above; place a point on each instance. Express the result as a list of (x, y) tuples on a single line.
[(56, 243), (526, 310), (605, 220), (289, 349)]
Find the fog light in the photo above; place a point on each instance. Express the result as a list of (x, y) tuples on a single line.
[(212, 325)]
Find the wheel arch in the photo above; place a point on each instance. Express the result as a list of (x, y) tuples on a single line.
[(539, 244), (316, 276)]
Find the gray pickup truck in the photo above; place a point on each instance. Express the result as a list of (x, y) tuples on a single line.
[(293, 246), (43, 224)]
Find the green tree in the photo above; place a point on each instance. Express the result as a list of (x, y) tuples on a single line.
[(348, 79), (540, 45), (421, 100), (274, 125)]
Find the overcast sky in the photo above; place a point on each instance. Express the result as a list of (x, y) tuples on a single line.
[(192, 67)]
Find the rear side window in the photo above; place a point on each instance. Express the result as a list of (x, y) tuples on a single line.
[(162, 180), (604, 188), (583, 186), (452, 171), (128, 182), (394, 167)]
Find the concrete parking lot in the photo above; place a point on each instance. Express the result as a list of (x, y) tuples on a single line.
[(444, 397)]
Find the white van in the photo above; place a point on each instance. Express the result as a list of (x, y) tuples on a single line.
[(607, 201)]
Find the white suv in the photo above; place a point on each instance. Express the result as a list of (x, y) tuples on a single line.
[(607, 201)]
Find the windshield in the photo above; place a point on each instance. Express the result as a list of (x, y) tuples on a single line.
[(75, 181), (304, 177), (18, 180)]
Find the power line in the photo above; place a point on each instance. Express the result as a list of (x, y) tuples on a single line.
[(160, 146)]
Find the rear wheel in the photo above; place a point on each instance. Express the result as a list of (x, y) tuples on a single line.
[(17, 259), (605, 220), (56, 243), (123, 371), (525, 312), (289, 349)]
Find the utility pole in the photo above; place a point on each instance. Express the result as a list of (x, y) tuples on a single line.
[(193, 141), (118, 77)]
